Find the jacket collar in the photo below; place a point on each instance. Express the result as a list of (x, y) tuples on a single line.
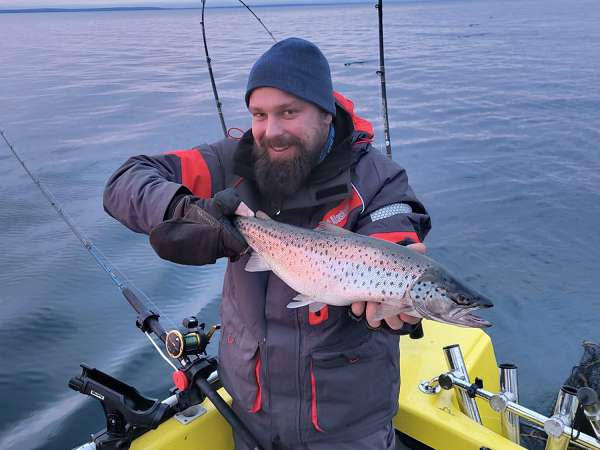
[(329, 181)]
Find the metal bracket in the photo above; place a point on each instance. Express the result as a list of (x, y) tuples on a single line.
[(189, 415), (430, 387)]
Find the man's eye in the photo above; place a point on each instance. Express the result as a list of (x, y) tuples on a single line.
[(289, 112), (258, 115)]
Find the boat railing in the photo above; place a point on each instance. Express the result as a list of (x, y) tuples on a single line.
[(558, 427)]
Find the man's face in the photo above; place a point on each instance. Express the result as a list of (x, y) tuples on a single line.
[(289, 134)]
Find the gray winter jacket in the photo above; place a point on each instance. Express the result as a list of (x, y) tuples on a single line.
[(295, 376)]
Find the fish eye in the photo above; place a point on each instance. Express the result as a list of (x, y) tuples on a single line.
[(461, 299)]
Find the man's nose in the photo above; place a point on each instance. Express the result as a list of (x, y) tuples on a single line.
[(273, 128)]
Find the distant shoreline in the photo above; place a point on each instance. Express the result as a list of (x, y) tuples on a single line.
[(157, 8), (54, 10)]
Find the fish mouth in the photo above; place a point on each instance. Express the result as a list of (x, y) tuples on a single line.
[(466, 317), (462, 317)]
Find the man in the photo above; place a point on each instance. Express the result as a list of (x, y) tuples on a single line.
[(299, 380)]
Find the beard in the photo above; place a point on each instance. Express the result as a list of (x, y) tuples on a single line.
[(280, 178)]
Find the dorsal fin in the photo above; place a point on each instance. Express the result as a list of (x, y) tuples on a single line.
[(262, 215), (326, 227)]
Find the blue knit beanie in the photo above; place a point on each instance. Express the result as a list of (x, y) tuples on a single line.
[(297, 67)]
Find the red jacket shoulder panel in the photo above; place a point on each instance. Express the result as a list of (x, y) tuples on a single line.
[(194, 172), (359, 123)]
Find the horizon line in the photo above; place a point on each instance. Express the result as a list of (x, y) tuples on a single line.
[(167, 8)]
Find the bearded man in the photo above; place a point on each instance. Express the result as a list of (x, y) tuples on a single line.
[(298, 379)]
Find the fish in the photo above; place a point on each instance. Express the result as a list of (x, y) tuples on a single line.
[(330, 265)]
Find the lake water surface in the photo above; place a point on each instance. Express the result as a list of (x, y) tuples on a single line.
[(495, 113)]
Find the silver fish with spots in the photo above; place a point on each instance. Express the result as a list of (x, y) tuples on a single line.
[(330, 265)]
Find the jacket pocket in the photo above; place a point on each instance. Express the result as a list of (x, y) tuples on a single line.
[(352, 387), (240, 368)]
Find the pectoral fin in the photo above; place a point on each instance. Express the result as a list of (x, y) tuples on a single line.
[(257, 263)]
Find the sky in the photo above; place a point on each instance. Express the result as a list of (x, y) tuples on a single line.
[(21, 4)]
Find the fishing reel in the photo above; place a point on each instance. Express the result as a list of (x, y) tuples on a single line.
[(188, 346), (192, 341)]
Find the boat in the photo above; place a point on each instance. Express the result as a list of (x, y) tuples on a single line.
[(453, 394), (439, 406)]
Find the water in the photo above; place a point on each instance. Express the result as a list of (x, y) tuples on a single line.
[(495, 113)]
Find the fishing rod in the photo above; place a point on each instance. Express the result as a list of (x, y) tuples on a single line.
[(210, 73), (87, 243), (104, 263), (381, 73), (208, 62), (187, 348), (259, 21)]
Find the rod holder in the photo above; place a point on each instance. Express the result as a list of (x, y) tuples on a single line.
[(564, 413), (499, 402), (509, 386), (588, 398), (456, 364)]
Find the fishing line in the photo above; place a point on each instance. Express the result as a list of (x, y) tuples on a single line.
[(162, 355), (210, 70), (102, 260)]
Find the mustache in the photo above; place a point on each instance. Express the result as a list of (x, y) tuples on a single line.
[(285, 140)]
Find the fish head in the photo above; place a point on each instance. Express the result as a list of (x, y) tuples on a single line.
[(439, 296)]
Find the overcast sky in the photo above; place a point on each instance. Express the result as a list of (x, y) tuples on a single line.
[(10, 4)]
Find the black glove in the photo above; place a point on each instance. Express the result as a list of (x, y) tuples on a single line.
[(199, 231)]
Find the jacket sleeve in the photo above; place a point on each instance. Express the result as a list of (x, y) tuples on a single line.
[(139, 192), (391, 209)]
